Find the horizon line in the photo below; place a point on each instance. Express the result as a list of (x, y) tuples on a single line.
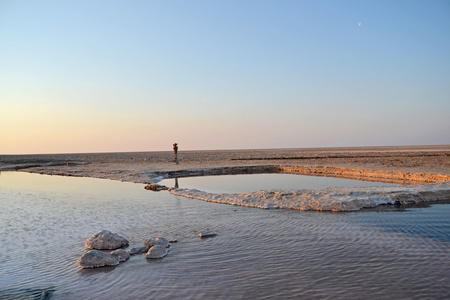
[(243, 149)]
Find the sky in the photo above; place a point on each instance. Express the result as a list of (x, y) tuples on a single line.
[(119, 76)]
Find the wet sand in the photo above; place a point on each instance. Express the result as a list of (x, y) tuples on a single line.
[(408, 164)]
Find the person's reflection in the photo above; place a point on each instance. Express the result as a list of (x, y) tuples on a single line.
[(176, 182)]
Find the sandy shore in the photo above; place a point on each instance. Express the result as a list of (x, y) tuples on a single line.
[(416, 165)]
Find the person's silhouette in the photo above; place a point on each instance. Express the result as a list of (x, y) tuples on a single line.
[(175, 150)]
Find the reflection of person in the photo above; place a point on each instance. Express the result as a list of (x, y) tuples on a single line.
[(175, 151)]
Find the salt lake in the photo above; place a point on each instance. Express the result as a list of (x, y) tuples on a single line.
[(387, 252)]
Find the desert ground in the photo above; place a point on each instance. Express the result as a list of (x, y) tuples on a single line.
[(142, 167)]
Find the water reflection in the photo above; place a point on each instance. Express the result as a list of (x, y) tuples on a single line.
[(256, 182), (95, 271)]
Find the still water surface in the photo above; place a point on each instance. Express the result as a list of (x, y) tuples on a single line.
[(383, 254), (256, 182)]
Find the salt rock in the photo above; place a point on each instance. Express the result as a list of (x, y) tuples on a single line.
[(207, 234), (138, 250), (157, 241), (95, 258), (156, 187), (157, 251), (105, 240), (121, 255)]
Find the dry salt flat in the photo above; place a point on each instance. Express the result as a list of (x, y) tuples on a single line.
[(426, 170)]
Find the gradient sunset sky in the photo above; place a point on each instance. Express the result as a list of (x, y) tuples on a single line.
[(107, 76)]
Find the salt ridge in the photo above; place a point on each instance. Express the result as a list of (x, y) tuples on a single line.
[(329, 199)]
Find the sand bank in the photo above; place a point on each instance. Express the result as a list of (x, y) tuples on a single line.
[(406, 165)]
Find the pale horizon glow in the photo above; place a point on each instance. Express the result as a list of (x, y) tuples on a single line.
[(117, 76)]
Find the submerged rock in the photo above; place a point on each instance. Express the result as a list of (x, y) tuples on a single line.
[(105, 240), (27, 293), (95, 259), (157, 241), (121, 255), (138, 250), (157, 251)]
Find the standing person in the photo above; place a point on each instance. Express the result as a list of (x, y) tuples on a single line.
[(175, 150)]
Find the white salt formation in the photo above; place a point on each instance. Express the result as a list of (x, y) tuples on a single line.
[(138, 250), (121, 255), (329, 199), (154, 248), (157, 251), (157, 241), (95, 258), (158, 247), (105, 240)]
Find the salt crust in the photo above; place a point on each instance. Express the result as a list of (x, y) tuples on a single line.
[(138, 250), (154, 248), (105, 240), (157, 251), (96, 258), (157, 241), (121, 255), (329, 199)]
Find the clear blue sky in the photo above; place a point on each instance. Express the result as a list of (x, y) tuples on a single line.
[(100, 76)]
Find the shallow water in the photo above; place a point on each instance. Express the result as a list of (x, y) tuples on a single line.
[(391, 253), (256, 182)]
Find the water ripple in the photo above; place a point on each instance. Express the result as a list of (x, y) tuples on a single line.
[(256, 254)]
